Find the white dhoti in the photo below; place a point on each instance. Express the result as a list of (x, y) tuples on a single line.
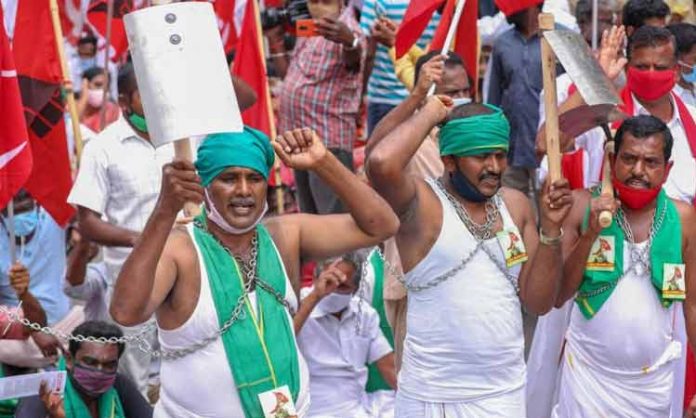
[(622, 362), (507, 405)]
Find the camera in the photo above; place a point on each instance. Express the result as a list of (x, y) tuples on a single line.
[(293, 11)]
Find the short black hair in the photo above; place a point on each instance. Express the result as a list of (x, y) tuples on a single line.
[(89, 39), (92, 72), (468, 110), (127, 83), (650, 36), (96, 329), (685, 35), (583, 9), (636, 12), (642, 127), (453, 59)]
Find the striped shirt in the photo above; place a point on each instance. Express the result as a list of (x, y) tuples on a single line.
[(383, 86), (319, 92)]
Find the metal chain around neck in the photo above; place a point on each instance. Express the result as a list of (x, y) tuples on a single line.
[(482, 231), (640, 257)]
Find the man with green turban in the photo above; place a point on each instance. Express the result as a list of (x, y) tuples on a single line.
[(464, 347), (225, 287)]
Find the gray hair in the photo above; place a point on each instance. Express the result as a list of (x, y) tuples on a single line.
[(357, 258)]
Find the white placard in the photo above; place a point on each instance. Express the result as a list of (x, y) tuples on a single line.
[(183, 78), (28, 384)]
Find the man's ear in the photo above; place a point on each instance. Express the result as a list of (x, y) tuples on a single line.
[(449, 162)]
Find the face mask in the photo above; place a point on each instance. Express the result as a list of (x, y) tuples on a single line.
[(635, 198), (215, 217), (465, 189), (324, 10), (461, 101), (335, 302), (25, 223), (95, 97), (137, 121), (93, 382), (689, 77), (650, 85)]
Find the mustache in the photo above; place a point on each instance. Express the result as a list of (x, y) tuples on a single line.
[(243, 201), (489, 176), (640, 180)]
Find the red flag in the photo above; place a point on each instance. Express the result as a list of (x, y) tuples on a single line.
[(15, 152), (416, 19), (250, 65), (224, 10), (72, 19), (97, 17), (465, 41), (39, 83)]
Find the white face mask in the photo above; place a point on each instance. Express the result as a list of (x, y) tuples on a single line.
[(335, 302), (215, 217), (461, 101), (95, 97)]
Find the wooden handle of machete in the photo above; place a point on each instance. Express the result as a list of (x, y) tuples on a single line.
[(182, 151), (548, 68), (605, 217)]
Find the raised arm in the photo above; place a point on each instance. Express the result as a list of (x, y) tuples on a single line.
[(577, 242), (541, 277), (385, 166), (370, 219), (431, 73), (151, 271)]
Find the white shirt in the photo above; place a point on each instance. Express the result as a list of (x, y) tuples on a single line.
[(92, 291), (687, 96), (337, 354), (120, 177)]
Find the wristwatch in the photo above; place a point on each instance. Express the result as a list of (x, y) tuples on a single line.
[(354, 45)]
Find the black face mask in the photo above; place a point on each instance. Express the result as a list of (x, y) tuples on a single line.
[(465, 189)]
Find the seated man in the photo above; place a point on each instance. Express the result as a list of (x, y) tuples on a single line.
[(341, 336), (93, 388)]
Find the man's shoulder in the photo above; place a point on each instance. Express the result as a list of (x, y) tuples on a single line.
[(687, 213), (108, 138)]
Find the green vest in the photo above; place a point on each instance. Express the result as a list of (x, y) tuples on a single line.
[(597, 286), (7, 406), (375, 381), (261, 352)]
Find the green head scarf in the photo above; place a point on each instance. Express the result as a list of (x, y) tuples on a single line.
[(249, 149), (476, 135)]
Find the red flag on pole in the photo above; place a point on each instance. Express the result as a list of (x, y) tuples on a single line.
[(97, 17), (416, 19), (40, 86), (15, 151), (224, 10), (465, 42), (250, 65)]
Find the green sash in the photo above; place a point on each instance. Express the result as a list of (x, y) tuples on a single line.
[(109, 403), (666, 248), (7, 406), (261, 352), (375, 381)]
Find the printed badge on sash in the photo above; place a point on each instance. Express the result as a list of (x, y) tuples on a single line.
[(674, 281), (277, 403), (602, 255), (513, 247)]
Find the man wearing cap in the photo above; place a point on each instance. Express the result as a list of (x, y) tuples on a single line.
[(463, 354), (223, 288)]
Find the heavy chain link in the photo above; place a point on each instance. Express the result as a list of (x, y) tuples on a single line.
[(480, 232), (639, 257)]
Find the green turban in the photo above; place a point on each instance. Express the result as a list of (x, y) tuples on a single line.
[(249, 149), (475, 135)]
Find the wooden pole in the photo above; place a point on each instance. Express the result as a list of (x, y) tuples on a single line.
[(109, 17), (605, 217), (67, 82), (450, 34), (11, 231), (548, 67)]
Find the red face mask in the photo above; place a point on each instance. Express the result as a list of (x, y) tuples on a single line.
[(650, 85), (637, 198)]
